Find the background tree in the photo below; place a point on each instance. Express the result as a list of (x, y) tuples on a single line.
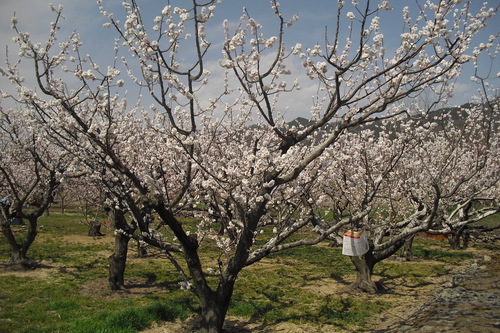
[(437, 180), (31, 169), (232, 156)]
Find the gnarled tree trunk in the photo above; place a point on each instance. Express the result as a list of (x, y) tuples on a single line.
[(364, 268), (214, 306), (95, 229), (456, 236), (406, 251), (18, 257), (364, 265), (117, 261)]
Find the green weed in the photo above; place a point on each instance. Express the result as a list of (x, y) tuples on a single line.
[(342, 311), (279, 288), (426, 251)]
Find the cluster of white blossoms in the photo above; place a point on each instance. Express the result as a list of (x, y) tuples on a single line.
[(122, 232), (230, 160)]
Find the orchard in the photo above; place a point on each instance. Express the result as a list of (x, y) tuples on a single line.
[(182, 121)]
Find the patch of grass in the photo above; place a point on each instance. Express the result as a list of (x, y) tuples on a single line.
[(445, 255), (490, 221), (279, 292), (339, 311), (322, 259), (487, 246), (414, 273), (131, 319), (242, 308), (37, 305), (275, 315), (283, 287)]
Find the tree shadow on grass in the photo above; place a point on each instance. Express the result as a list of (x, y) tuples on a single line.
[(387, 279), (340, 279)]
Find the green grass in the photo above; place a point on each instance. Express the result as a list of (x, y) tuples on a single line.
[(33, 305), (425, 251), (281, 288), (490, 221), (280, 305), (131, 319), (340, 311)]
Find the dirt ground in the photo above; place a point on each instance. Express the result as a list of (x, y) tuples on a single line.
[(404, 297)]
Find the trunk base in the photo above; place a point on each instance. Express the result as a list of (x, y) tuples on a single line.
[(95, 229), (23, 265), (116, 272), (365, 286), (364, 269), (406, 251)]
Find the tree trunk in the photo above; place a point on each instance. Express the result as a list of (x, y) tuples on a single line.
[(364, 268), (20, 262), (62, 204), (117, 261), (406, 251), (214, 306), (455, 237), (142, 251), (95, 229), (18, 255), (212, 319), (465, 239)]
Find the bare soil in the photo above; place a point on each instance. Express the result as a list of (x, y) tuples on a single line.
[(407, 298)]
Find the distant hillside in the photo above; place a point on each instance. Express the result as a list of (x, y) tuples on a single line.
[(456, 114)]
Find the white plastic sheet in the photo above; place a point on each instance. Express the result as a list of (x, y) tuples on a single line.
[(355, 243)]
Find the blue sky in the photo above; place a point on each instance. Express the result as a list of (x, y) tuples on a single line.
[(34, 16)]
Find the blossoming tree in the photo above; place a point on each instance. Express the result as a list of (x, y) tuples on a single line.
[(31, 169), (434, 178), (229, 156)]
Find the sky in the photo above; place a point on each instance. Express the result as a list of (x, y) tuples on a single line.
[(34, 16)]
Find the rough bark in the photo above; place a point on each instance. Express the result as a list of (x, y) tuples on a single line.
[(95, 229), (406, 251), (214, 306), (18, 257), (456, 236), (117, 261), (212, 318), (364, 268)]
